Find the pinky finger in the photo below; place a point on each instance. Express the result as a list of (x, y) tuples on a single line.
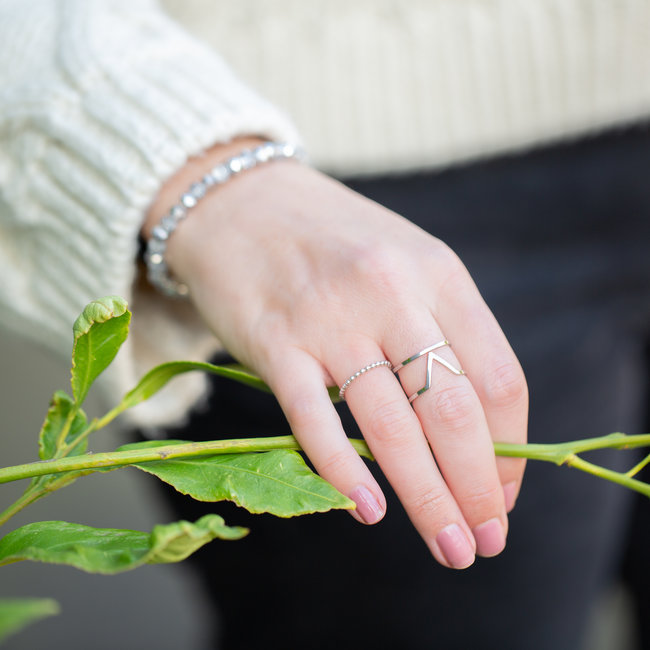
[(317, 427)]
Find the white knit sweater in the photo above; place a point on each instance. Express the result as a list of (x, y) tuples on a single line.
[(102, 100)]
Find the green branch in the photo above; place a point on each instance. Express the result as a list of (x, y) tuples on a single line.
[(566, 453), (28, 497), (129, 457), (637, 468), (65, 450), (559, 453), (65, 430), (610, 475)]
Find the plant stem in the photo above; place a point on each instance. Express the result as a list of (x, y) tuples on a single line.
[(60, 443), (565, 453), (110, 416), (37, 490), (27, 498), (610, 475), (637, 468), (559, 453), (128, 457), (64, 451)]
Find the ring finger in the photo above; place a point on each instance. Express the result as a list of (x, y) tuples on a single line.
[(453, 421), (395, 436)]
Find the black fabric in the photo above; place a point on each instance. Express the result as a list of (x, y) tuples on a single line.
[(558, 243)]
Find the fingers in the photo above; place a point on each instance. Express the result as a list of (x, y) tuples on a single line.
[(457, 503), (300, 388), (493, 370), (457, 496), (454, 423), (394, 434)]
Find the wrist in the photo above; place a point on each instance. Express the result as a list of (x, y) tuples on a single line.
[(195, 169), (223, 168)]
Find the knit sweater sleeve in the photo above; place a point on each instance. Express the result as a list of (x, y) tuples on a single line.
[(100, 103)]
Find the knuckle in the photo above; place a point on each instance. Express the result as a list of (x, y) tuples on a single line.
[(454, 280), (454, 407), (449, 265), (447, 258), (335, 464), (483, 494), (302, 412), (482, 498), (506, 388), (389, 423), (382, 267), (428, 504)]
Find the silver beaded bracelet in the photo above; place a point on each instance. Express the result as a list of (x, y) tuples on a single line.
[(154, 255)]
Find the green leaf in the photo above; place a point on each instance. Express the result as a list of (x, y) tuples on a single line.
[(177, 541), (61, 408), (278, 482), (157, 377), (99, 333), (17, 613), (108, 550)]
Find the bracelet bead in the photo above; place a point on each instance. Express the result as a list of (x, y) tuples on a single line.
[(154, 256)]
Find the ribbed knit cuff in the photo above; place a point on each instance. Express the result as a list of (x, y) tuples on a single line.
[(105, 101)]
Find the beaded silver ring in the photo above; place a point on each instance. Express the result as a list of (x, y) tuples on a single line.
[(351, 378)]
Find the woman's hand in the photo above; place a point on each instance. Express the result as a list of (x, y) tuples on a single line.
[(307, 282)]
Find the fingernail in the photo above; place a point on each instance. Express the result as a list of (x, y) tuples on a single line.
[(490, 538), (455, 547), (510, 495), (368, 508)]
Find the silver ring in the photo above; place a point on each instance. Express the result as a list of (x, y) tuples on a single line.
[(351, 378), (431, 357)]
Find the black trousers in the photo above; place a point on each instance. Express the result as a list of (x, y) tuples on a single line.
[(558, 241)]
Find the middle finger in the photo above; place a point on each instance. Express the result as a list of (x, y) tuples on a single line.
[(452, 418)]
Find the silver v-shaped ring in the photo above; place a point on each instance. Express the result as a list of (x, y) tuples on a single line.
[(431, 357)]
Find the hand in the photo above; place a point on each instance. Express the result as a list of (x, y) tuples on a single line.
[(307, 282)]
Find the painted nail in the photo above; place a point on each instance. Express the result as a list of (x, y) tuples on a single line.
[(510, 495), (368, 508), (490, 538), (455, 546)]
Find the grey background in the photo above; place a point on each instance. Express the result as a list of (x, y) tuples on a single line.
[(155, 606)]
